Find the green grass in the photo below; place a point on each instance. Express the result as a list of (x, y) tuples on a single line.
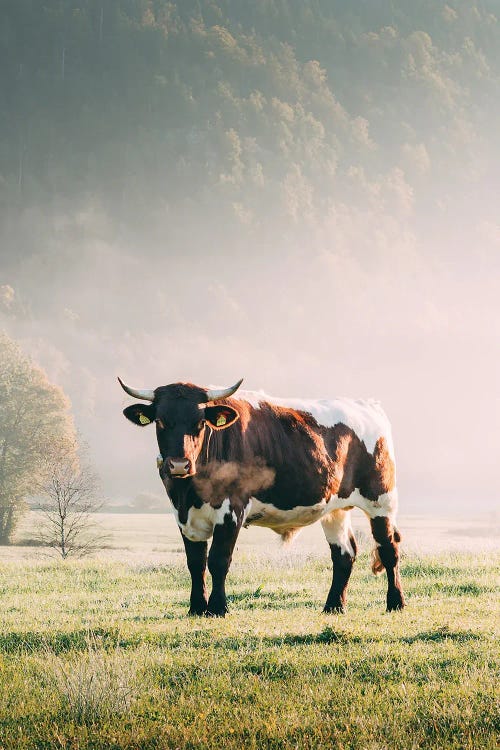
[(102, 655)]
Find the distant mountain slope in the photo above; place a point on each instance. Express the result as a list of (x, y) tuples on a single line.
[(268, 110)]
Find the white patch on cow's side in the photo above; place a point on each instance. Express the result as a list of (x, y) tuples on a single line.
[(202, 521), (365, 417), (268, 515), (385, 505), (337, 528)]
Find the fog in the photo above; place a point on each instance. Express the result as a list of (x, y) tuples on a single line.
[(376, 276)]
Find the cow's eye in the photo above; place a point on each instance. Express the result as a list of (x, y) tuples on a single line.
[(160, 424), (199, 425)]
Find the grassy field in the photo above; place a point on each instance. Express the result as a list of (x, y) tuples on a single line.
[(100, 653)]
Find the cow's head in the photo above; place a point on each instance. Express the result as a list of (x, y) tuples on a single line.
[(182, 412)]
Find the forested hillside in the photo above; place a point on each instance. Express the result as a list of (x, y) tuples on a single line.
[(267, 110), (303, 192)]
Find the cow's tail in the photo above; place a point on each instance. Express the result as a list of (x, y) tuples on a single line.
[(377, 567), (288, 536)]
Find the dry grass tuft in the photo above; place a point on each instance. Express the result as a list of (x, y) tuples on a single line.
[(94, 685)]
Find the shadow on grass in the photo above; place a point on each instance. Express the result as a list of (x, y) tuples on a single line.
[(81, 640), (260, 599), (58, 642), (416, 568), (442, 634), (327, 635), (466, 589)]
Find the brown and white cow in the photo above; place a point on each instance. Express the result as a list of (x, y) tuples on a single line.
[(280, 463)]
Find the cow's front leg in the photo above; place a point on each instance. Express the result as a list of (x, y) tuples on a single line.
[(388, 538), (196, 554), (219, 560)]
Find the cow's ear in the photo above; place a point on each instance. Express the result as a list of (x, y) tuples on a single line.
[(141, 414), (220, 417)]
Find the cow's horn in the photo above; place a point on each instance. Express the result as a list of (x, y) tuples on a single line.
[(213, 395), (145, 395)]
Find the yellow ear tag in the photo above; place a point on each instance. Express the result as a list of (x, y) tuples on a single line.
[(143, 419), (221, 420)]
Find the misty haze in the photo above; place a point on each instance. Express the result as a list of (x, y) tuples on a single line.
[(309, 201), (303, 194)]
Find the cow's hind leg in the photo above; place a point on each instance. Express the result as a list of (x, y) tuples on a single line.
[(219, 560), (388, 538), (339, 535), (196, 554)]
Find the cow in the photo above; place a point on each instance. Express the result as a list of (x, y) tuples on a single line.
[(255, 460)]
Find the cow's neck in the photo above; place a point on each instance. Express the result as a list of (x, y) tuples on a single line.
[(221, 445)]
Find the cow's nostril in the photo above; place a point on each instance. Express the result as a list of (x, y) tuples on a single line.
[(179, 466)]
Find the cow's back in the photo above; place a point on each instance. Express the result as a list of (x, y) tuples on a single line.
[(365, 417)]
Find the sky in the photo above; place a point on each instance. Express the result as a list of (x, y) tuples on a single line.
[(389, 289)]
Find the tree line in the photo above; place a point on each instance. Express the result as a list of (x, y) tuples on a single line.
[(42, 460)]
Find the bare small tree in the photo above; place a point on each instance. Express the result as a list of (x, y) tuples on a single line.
[(69, 498)]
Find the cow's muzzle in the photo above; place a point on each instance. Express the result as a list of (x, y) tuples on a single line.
[(179, 467)]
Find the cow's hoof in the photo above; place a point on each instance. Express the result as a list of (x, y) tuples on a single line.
[(220, 613), (395, 602), (197, 607), (336, 609), (197, 611), (334, 605), (217, 607)]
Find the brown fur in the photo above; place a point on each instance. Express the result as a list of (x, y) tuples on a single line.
[(289, 535), (279, 455), (309, 462), (382, 473), (388, 538)]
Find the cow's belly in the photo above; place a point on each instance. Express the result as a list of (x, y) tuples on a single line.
[(268, 515), (201, 522)]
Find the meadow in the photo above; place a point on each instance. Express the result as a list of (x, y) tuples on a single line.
[(99, 653)]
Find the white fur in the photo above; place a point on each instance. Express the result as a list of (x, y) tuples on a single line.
[(337, 529), (201, 522), (303, 515), (365, 417), (386, 505)]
